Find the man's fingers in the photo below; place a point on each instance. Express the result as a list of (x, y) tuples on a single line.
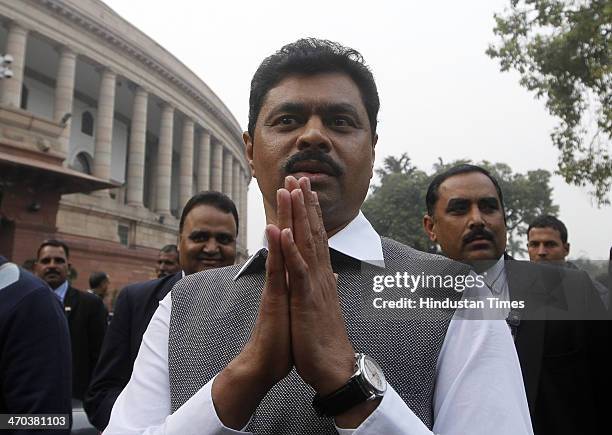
[(315, 220), (297, 268), (291, 183), (275, 263), (284, 209), (301, 228)]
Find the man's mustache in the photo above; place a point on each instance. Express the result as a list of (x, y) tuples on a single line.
[(478, 233), (204, 257), (312, 155)]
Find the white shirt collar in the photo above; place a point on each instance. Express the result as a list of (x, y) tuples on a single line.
[(493, 273), (358, 240)]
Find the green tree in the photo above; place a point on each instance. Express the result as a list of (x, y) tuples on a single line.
[(561, 48), (396, 205)]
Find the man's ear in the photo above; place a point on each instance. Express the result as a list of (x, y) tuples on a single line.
[(567, 248), (374, 142), (248, 145), (429, 226)]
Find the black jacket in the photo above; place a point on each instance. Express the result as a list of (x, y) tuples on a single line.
[(34, 350), (86, 316), (134, 309), (564, 357)]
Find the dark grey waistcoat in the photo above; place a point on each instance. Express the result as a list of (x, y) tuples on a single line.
[(212, 317)]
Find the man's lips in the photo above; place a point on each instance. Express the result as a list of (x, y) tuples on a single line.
[(210, 260), (479, 243), (312, 167)]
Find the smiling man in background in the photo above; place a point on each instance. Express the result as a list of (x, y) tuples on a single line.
[(207, 239)]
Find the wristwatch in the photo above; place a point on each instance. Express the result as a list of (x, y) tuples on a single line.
[(368, 383)]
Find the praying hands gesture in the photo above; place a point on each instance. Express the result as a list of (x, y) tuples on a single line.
[(300, 320)]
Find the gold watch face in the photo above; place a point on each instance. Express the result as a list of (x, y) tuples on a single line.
[(374, 375)]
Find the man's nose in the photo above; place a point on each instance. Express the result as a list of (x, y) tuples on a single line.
[(542, 251), (314, 134), (476, 218), (211, 245)]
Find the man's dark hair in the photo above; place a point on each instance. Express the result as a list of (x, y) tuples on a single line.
[(432, 191), (548, 221), (212, 198), (312, 56), (97, 278), (170, 249), (55, 243)]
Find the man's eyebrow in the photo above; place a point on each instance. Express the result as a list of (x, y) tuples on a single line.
[(489, 201), (347, 108), (457, 202), (287, 107), (198, 231), (324, 109)]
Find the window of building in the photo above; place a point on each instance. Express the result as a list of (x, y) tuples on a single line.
[(83, 163), (87, 123), (25, 93), (123, 231)]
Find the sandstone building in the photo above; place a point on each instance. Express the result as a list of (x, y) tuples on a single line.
[(104, 135)]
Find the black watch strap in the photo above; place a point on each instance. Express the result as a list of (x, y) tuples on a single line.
[(341, 400)]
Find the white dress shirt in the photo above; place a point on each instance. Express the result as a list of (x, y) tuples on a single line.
[(478, 390)]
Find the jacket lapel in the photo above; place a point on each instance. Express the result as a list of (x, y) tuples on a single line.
[(162, 289), (527, 286), (71, 302)]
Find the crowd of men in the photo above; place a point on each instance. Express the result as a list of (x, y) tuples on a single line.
[(281, 344)]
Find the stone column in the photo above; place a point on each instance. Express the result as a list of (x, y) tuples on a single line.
[(164, 160), (228, 162), (136, 155), (203, 169), (64, 92), (216, 167), (104, 125), (10, 89), (186, 165)]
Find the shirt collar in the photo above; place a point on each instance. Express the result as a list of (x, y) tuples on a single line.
[(358, 240), (61, 290), (493, 273)]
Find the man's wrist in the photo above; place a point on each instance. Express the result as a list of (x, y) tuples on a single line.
[(237, 391), (353, 418), (338, 373)]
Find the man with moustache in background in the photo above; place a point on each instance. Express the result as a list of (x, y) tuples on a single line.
[(85, 312), (167, 261), (564, 362), (207, 239)]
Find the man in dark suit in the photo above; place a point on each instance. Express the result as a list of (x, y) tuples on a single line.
[(34, 348), (85, 313), (207, 239), (547, 243), (560, 347)]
